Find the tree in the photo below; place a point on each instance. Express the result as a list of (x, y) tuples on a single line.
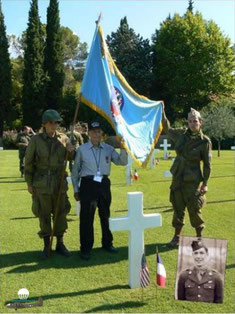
[(54, 57), (33, 76), (132, 55), (219, 120), (193, 61), (190, 6), (5, 76)]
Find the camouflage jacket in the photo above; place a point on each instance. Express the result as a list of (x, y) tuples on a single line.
[(45, 161), (191, 149)]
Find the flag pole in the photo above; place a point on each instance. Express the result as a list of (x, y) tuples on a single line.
[(62, 179), (156, 276)]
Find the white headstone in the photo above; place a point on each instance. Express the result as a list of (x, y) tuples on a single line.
[(129, 171), (152, 158), (165, 145), (233, 147), (1, 148), (69, 180), (135, 222), (167, 174)]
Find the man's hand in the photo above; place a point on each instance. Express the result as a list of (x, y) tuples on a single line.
[(77, 196), (70, 148), (30, 189), (203, 189)]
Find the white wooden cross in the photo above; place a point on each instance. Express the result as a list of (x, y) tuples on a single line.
[(135, 222), (129, 171), (152, 158), (165, 145)]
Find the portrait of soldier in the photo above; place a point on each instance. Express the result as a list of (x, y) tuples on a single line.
[(201, 281)]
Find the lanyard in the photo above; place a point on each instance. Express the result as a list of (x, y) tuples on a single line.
[(97, 161)]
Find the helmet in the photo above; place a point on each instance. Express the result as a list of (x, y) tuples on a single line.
[(51, 115)]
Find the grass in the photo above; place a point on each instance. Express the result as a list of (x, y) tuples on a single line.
[(101, 284)]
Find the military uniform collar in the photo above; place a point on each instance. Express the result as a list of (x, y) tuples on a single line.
[(194, 135), (101, 145), (205, 277), (45, 136)]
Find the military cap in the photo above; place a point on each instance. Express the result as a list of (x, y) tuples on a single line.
[(194, 113), (94, 125), (51, 115), (198, 244)]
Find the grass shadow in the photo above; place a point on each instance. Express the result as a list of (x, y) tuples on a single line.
[(26, 262), (77, 293), (118, 306)]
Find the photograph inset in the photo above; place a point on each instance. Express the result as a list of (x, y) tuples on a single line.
[(201, 269)]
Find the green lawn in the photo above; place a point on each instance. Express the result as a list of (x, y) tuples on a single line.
[(101, 284)]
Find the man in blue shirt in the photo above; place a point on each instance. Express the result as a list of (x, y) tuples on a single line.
[(91, 170)]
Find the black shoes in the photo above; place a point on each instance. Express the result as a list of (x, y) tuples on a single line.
[(85, 255), (61, 249), (110, 249)]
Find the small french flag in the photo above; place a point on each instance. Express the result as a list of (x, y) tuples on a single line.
[(136, 176), (161, 272)]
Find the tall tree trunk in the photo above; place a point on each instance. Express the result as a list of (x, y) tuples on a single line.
[(218, 148)]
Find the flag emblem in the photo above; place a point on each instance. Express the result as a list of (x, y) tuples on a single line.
[(144, 273), (160, 273), (134, 117)]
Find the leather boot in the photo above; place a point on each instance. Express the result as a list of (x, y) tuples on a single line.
[(175, 240), (199, 231), (61, 248), (45, 252)]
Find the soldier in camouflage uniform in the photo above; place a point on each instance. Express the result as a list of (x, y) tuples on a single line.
[(44, 163), (189, 183), (22, 142), (200, 282)]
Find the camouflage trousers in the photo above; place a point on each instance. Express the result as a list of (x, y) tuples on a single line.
[(21, 164), (43, 207), (187, 196)]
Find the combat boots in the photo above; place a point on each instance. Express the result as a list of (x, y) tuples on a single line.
[(45, 252), (61, 248), (175, 240), (199, 231)]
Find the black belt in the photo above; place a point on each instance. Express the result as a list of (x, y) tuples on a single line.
[(91, 177)]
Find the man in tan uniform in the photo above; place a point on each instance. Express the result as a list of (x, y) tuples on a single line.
[(200, 282), (189, 183), (22, 141), (44, 164)]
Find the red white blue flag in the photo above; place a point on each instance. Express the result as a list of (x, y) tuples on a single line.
[(144, 273), (161, 272)]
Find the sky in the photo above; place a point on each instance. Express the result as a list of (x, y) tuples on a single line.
[(142, 15)]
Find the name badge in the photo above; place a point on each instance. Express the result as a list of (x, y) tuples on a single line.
[(98, 178)]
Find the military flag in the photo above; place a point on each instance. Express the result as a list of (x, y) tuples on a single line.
[(144, 273), (135, 118)]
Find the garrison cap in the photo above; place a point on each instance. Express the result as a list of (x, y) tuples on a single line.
[(51, 115), (94, 125), (194, 113), (198, 244)]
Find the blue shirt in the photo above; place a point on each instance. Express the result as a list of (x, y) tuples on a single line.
[(90, 159)]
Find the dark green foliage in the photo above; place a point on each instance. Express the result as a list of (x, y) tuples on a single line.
[(5, 76), (54, 57), (190, 6), (193, 62), (33, 77), (132, 55)]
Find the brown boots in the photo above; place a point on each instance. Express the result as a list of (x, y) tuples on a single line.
[(199, 231), (60, 247), (175, 240)]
